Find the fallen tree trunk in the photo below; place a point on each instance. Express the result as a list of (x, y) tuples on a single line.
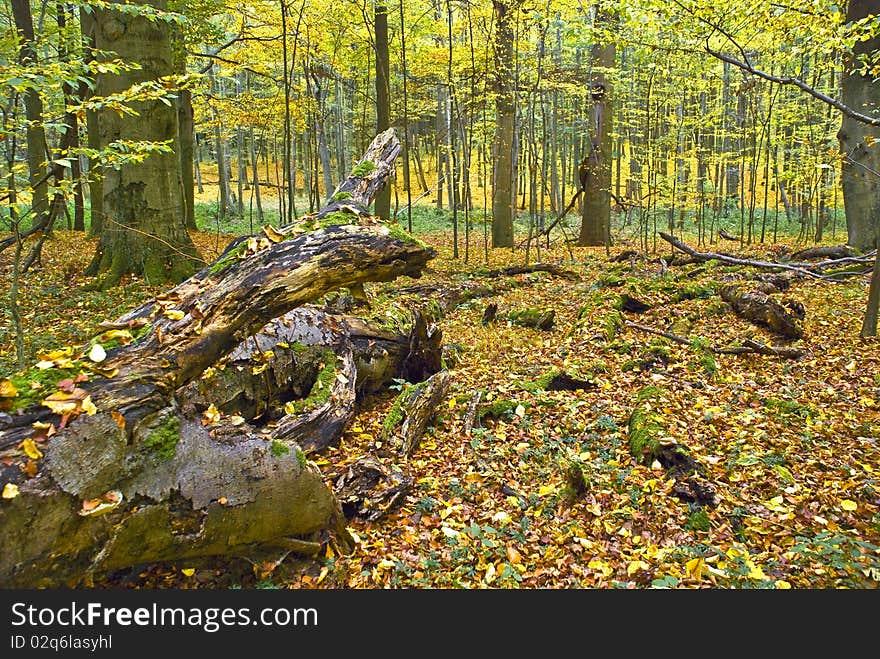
[(117, 461), (833, 252), (782, 318)]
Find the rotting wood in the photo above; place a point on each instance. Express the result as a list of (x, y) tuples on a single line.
[(783, 318), (833, 252), (368, 489), (471, 416), (143, 477)]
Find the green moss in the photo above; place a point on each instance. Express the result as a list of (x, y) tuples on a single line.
[(320, 391), (364, 168), (301, 457), (693, 292), (341, 196), (278, 449), (163, 439), (395, 414), (540, 384), (790, 407), (644, 429), (47, 379), (397, 232), (609, 280), (611, 325), (704, 358), (498, 408), (230, 258), (698, 521), (533, 317)]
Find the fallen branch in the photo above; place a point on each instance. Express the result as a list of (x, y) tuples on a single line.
[(802, 269), (750, 346)]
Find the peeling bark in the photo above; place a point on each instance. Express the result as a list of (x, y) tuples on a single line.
[(151, 475)]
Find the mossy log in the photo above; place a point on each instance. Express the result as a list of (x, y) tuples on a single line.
[(649, 442), (413, 410), (542, 319), (132, 470), (783, 318)]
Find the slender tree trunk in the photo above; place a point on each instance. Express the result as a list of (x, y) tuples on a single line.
[(35, 135), (185, 141), (256, 183), (596, 208), (503, 172), (382, 206)]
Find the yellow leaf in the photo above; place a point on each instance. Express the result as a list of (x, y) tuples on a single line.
[(490, 573), (124, 336), (273, 234), (849, 504), (635, 566), (289, 407), (544, 490), (88, 406), (212, 414), (174, 314), (323, 575), (256, 370), (783, 585), (755, 572), (514, 556), (62, 403), (7, 389), (31, 450), (10, 491), (694, 568), (97, 353), (188, 571)]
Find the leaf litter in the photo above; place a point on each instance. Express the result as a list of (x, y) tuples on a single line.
[(789, 446)]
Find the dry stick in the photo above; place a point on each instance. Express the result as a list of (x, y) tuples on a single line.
[(472, 412), (724, 258), (751, 346)]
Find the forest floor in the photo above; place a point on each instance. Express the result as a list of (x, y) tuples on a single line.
[(791, 447)]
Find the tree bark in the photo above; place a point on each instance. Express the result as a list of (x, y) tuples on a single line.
[(505, 128), (596, 184), (142, 233), (33, 106), (171, 478), (861, 164), (383, 97)]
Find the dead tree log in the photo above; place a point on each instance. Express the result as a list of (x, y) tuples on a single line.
[(833, 252), (414, 409), (783, 318), (117, 464)]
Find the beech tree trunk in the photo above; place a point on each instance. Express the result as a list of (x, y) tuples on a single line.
[(143, 231), (168, 438)]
